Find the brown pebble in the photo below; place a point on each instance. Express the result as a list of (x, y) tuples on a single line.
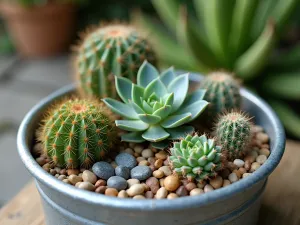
[(190, 186), (47, 167), (172, 196), (63, 172), (100, 183), (87, 186), (153, 184), (161, 182), (57, 175), (57, 169), (72, 171), (77, 184), (66, 181), (242, 170), (146, 187), (140, 159), (166, 169), (247, 165), (161, 155), (226, 183), (139, 197), (264, 151), (217, 182), (196, 191), (161, 193), (172, 182), (82, 170), (166, 162), (62, 177), (111, 192), (181, 191), (37, 149), (249, 158), (264, 138), (52, 172), (74, 179), (144, 163), (89, 176), (158, 174), (158, 163), (201, 184), (152, 167), (40, 160), (231, 166), (224, 173), (101, 189), (151, 160), (255, 166), (149, 194), (122, 194), (238, 173), (136, 154)]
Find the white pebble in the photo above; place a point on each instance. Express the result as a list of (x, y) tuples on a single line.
[(138, 149), (226, 183), (161, 193), (264, 151), (246, 175), (196, 191), (131, 182), (261, 159), (233, 177), (147, 153), (208, 188), (239, 163), (254, 166), (136, 189), (129, 151), (264, 138), (89, 176)]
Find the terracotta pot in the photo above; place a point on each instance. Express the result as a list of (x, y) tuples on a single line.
[(40, 31)]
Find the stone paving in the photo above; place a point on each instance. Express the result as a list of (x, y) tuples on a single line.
[(22, 84)]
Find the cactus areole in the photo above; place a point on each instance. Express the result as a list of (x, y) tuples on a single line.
[(112, 50), (77, 133)]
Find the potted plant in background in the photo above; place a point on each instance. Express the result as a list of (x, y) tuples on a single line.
[(239, 36), (40, 28), (153, 165)]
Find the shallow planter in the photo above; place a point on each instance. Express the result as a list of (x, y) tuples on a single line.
[(40, 31), (237, 203)]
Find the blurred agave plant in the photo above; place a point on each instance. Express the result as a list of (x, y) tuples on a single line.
[(237, 35)]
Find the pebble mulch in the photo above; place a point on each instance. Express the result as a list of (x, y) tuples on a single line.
[(144, 173)]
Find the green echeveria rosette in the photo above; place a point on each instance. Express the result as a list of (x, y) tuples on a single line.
[(196, 157), (157, 107), (77, 133)]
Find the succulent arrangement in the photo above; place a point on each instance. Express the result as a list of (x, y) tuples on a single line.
[(108, 51), (157, 107), (239, 36), (153, 114), (196, 157), (77, 133)]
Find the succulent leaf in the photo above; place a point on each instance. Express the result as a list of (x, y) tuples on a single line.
[(159, 102), (186, 160)]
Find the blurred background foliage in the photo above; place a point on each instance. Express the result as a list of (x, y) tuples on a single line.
[(276, 78)]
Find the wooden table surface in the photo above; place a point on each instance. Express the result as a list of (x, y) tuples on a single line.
[(280, 206)]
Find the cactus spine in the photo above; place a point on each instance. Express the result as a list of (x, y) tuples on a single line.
[(77, 133), (112, 50), (233, 132), (223, 93)]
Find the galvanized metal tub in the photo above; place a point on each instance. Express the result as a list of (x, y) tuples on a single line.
[(237, 204)]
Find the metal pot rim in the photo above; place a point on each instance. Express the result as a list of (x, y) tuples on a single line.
[(128, 204)]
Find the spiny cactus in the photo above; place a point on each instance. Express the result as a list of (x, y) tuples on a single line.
[(222, 91), (112, 50), (196, 157), (233, 131), (156, 108), (77, 133)]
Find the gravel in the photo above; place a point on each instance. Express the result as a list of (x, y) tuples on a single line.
[(125, 159), (117, 182), (141, 172), (103, 170)]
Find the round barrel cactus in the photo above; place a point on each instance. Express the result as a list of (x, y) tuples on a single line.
[(108, 51), (233, 132), (196, 157), (77, 133), (222, 91)]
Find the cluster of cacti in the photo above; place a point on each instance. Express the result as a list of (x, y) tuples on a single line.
[(77, 133), (196, 157), (156, 108), (240, 36), (222, 92), (109, 51), (233, 132)]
